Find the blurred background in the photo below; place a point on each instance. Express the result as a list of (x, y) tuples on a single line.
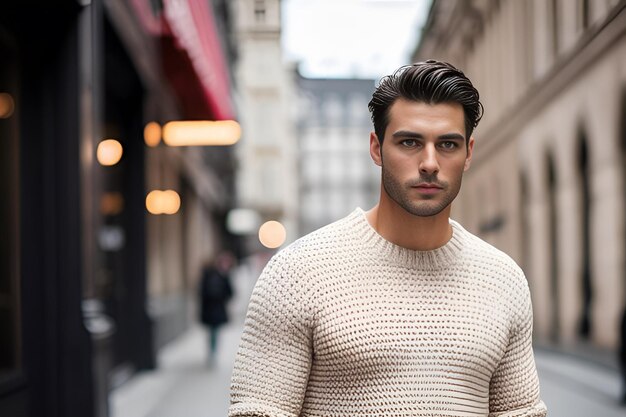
[(140, 139)]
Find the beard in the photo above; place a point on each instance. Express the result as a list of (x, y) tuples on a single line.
[(425, 205)]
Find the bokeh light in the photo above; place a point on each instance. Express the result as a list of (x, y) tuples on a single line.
[(171, 202), (152, 134), (272, 234), (7, 105), (201, 133), (163, 202), (111, 203), (109, 152)]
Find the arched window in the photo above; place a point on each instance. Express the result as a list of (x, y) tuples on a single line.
[(583, 14), (622, 133), (583, 166), (553, 12), (553, 250), (524, 223)]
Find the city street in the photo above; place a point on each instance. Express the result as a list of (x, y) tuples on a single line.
[(156, 154), (187, 385), (571, 387)]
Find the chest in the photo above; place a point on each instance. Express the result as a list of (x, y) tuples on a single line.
[(413, 325)]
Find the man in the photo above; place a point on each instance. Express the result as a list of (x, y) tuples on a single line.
[(397, 311)]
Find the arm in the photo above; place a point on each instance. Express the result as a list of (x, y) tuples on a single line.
[(272, 366), (514, 387)]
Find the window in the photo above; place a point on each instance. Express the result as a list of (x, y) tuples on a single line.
[(357, 110), (259, 10), (554, 30), (334, 109), (265, 119), (583, 14)]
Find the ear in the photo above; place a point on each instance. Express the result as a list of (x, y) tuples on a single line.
[(375, 149), (470, 152)]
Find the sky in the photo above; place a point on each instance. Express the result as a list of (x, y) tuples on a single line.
[(351, 38)]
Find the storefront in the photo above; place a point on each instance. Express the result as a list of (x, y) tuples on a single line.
[(85, 270)]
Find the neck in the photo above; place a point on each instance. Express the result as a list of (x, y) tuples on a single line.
[(404, 229)]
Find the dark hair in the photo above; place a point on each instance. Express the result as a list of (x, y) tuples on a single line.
[(430, 82)]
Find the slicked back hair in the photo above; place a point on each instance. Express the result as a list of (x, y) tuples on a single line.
[(430, 82)]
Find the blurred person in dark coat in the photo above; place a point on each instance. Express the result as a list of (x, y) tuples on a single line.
[(215, 292)]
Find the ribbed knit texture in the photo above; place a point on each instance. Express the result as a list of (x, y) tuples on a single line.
[(345, 323)]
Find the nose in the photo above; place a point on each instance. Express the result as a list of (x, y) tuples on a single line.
[(428, 162)]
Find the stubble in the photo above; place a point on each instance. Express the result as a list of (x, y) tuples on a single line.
[(426, 205)]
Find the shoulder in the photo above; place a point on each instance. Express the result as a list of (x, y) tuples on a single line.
[(495, 264), (500, 275), (327, 239), (484, 253)]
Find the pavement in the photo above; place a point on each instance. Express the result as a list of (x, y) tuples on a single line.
[(574, 387), (186, 384)]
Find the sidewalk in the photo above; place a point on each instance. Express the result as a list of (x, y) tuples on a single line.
[(572, 387), (184, 384)]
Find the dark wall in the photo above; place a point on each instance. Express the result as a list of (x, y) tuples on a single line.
[(124, 121), (55, 373)]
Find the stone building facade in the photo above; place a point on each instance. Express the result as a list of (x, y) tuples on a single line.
[(336, 171), (548, 180), (266, 155)]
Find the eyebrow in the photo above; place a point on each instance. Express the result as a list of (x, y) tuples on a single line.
[(415, 135)]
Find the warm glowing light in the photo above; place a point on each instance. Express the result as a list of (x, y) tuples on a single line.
[(109, 152), (7, 105), (111, 203), (272, 234), (163, 202), (152, 134), (201, 133), (153, 202), (171, 201)]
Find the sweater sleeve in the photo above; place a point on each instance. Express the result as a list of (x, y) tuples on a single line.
[(273, 361), (514, 387)]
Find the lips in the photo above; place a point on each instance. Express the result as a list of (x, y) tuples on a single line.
[(428, 188)]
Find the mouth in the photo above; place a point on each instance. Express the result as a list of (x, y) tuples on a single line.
[(427, 188)]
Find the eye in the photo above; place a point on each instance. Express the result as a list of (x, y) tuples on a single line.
[(448, 145), (409, 143)]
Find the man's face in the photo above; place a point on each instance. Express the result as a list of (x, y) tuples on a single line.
[(423, 155)]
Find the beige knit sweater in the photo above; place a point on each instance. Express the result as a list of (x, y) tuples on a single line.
[(345, 323)]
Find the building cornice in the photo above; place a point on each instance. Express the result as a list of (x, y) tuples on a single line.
[(467, 17), (570, 66)]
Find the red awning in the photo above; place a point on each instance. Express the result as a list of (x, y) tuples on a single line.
[(192, 26)]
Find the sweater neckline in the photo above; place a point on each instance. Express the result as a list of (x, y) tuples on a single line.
[(438, 258)]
